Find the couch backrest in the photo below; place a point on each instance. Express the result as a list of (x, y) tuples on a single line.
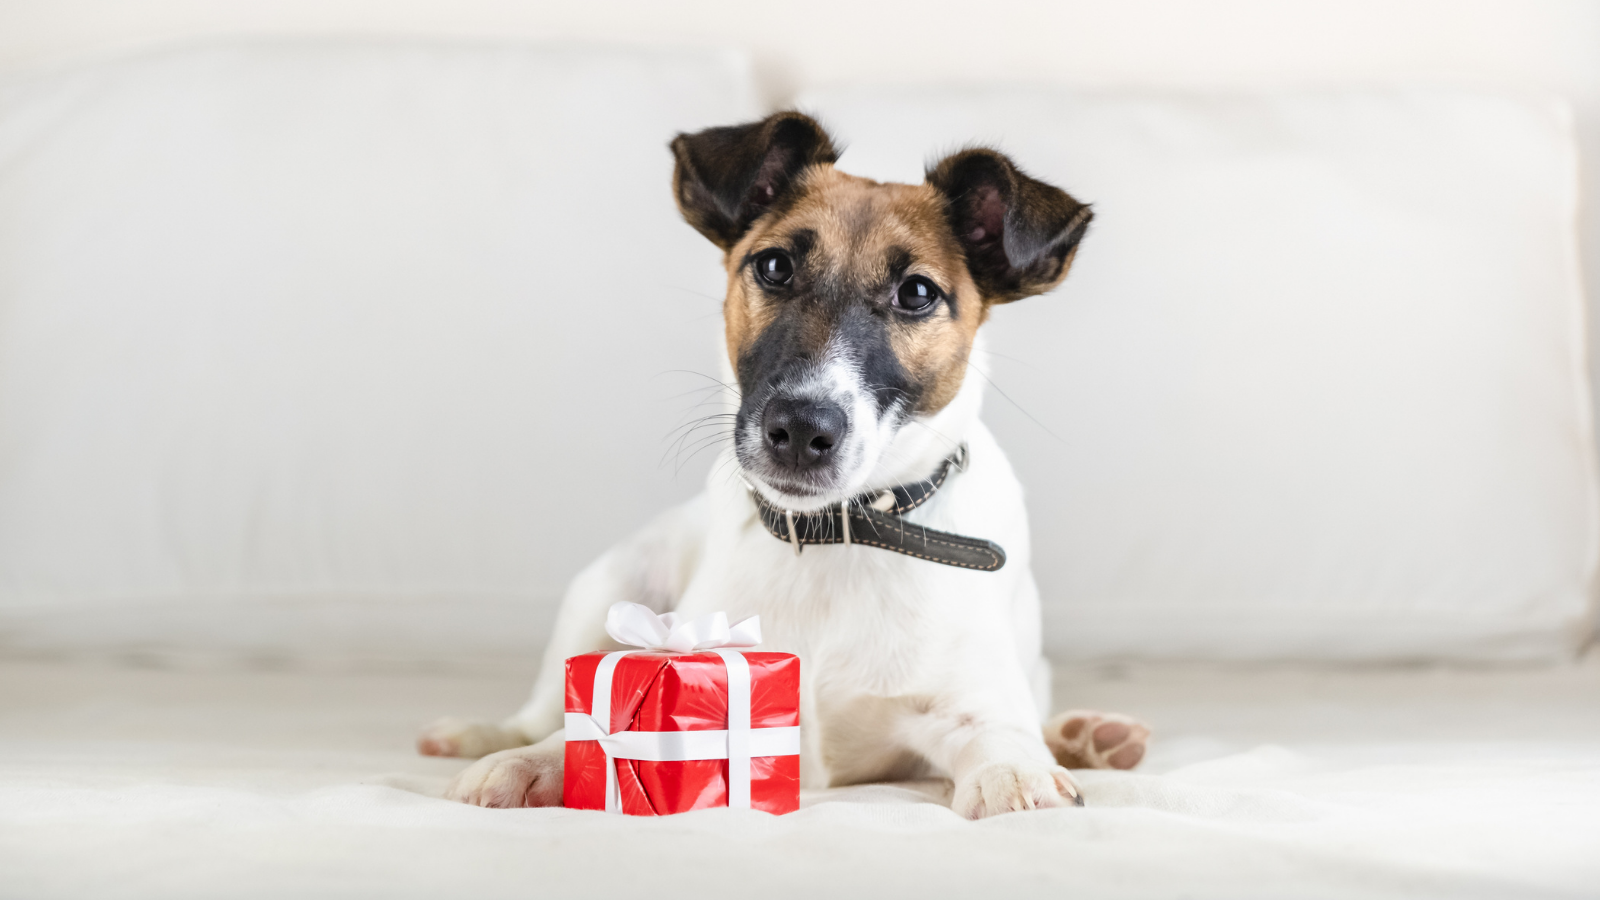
[(347, 348)]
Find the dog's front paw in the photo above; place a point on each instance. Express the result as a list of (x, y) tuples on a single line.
[(525, 776), (1081, 739), (1012, 787), (458, 737)]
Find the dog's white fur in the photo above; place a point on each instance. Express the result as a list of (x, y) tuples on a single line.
[(909, 668)]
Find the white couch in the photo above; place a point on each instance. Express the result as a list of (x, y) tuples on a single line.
[(356, 352), (366, 349)]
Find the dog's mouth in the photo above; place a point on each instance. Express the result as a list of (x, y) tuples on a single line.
[(804, 490), (787, 493)]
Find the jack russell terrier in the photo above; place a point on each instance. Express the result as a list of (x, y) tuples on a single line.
[(851, 312)]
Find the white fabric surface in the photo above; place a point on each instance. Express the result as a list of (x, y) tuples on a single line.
[(289, 332), (1316, 385), (1261, 783)]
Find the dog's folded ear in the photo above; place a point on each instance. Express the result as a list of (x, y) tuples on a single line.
[(727, 177), (1019, 233)]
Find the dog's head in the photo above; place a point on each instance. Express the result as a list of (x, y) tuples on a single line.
[(852, 306)]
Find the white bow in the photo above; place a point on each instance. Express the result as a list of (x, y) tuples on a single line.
[(636, 625)]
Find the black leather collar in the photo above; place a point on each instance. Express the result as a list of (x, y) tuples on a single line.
[(874, 520)]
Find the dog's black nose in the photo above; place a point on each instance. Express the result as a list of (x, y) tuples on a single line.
[(801, 433)]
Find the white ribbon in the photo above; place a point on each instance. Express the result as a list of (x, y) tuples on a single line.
[(631, 623), (636, 624)]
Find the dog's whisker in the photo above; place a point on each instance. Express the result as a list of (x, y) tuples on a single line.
[(692, 291), (680, 435), (687, 453), (697, 423), (680, 438), (704, 421), (951, 443), (706, 390), (700, 375), (1045, 428), (688, 445), (1016, 359)]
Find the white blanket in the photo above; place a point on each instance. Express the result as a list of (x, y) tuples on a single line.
[(119, 782)]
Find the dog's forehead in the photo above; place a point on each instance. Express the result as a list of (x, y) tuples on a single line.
[(856, 226)]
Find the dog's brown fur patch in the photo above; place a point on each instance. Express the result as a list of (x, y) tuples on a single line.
[(858, 230)]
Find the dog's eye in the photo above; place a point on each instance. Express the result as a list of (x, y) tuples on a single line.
[(916, 294), (774, 267)]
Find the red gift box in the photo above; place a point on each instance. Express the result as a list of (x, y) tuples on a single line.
[(667, 745)]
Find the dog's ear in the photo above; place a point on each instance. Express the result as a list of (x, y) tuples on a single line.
[(1019, 233), (727, 177)]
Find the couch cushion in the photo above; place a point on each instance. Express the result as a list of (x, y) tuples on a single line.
[(1315, 387), (342, 329)]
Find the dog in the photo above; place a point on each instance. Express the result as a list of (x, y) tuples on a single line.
[(874, 523)]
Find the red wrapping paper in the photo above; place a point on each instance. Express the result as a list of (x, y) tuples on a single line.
[(653, 691)]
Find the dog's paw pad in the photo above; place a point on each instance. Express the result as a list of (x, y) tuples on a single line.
[(1110, 734), (1126, 757), (1081, 739)]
